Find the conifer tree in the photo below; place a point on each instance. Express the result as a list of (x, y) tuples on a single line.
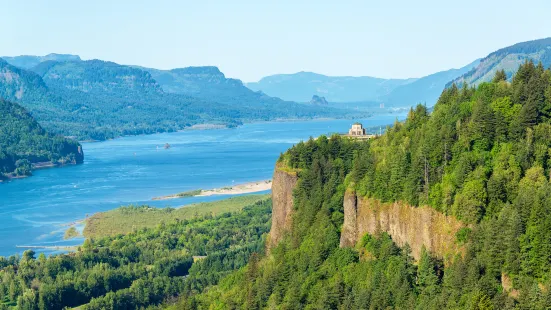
[(500, 76)]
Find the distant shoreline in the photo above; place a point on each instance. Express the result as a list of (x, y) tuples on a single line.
[(245, 188), (34, 166), (207, 126)]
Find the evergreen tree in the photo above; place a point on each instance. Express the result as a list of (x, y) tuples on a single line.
[(500, 76)]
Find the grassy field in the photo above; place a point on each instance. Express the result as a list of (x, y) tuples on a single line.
[(127, 219)]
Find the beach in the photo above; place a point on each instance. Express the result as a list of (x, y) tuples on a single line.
[(245, 188)]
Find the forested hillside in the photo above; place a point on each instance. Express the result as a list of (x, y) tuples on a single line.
[(138, 270), (208, 83), (100, 100), (23, 142), (29, 61), (508, 59), (425, 90), (483, 157)]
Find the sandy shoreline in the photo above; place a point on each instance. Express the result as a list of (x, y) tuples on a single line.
[(246, 188)]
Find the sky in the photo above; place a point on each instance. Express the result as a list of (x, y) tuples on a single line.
[(252, 39)]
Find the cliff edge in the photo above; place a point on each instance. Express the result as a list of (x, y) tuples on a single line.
[(415, 226), (283, 184)]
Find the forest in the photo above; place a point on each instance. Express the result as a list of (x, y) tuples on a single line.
[(24, 142), (99, 100), (483, 156), (139, 270)]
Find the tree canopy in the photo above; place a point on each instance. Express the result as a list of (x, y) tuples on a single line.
[(483, 156), (23, 142)]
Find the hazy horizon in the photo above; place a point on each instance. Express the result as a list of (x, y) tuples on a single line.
[(250, 40)]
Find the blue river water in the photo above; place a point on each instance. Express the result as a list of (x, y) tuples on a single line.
[(132, 170)]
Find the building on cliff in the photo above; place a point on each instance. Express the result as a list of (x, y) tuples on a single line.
[(358, 131)]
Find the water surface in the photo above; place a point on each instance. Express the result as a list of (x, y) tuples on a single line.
[(132, 170)]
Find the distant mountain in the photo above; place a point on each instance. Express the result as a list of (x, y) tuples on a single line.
[(23, 142), (96, 76), (425, 90), (508, 59), (100, 100), (28, 61), (355, 90), (209, 83), (300, 87)]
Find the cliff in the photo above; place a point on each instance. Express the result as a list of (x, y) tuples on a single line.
[(417, 227), (283, 184)]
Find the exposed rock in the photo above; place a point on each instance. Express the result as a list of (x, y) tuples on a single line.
[(507, 285), (283, 184), (349, 234), (415, 226), (317, 100)]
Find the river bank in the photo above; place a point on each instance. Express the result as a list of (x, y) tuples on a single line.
[(246, 188), (130, 171), (124, 220)]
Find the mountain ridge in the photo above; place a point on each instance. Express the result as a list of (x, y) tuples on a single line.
[(97, 100), (29, 61), (508, 59), (302, 85)]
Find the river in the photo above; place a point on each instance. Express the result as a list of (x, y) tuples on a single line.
[(132, 170)]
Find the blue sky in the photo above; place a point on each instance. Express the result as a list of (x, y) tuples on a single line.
[(252, 39)]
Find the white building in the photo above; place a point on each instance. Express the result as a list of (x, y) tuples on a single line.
[(356, 130)]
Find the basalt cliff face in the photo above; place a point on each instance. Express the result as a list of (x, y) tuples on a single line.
[(415, 226), (283, 184)]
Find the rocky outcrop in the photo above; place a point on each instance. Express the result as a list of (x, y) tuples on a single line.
[(349, 233), (283, 184), (317, 100), (415, 226)]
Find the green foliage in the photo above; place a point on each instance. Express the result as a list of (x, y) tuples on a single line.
[(483, 156), (98, 100), (137, 270), (127, 219), (70, 233), (502, 64), (463, 235), (23, 142), (500, 76)]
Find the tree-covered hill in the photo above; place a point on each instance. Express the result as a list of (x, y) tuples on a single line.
[(425, 90), (101, 100), (208, 83), (29, 61), (96, 77), (23, 143), (482, 156), (138, 270), (508, 59)]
